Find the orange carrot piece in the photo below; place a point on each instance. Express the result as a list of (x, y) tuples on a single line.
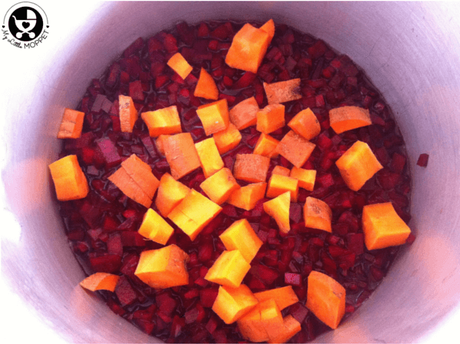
[(240, 236), (271, 318), (164, 121), (100, 281), (383, 227), (349, 117), (284, 296), (181, 154), (305, 124), (159, 143), (251, 168), (317, 214), (326, 298), (155, 228), (305, 177), (229, 269), (248, 49), (247, 196), (244, 114), (206, 86), (129, 187), (278, 208), (266, 146), (163, 268), (227, 139), (283, 91), (357, 165), (233, 303), (142, 175), (170, 194), (180, 65), (220, 185), (214, 116), (251, 327), (69, 180), (128, 113), (210, 159), (269, 27), (71, 124), (270, 118), (295, 148), (290, 328), (279, 184), (283, 171)]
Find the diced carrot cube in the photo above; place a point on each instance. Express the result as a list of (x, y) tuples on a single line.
[(210, 159), (170, 194), (271, 318), (290, 328), (278, 208), (383, 227), (160, 143), (270, 118), (283, 91), (317, 214), (214, 116), (129, 187), (128, 113), (164, 121), (279, 184), (181, 154), (295, 148), (227, 139), (357, 165), (282, 171), (248, 48), (69, 180), (141, 174), (266, 146), (233, 303), (229, 269), (269, 27), (180, 65), (348, 117), (252, 168), (220, 186), (206, 86), (284, 296), (193, 213), (326, 298), (244, 114), (71, 124), (247, 196), (251, 327), (240, 236), (305, 124), (155, 228), (163, 268), (100, 281), (305, 177)]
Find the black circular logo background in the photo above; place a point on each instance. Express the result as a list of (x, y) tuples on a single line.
[(25, 24)]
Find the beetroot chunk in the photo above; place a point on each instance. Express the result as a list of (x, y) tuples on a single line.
[(423, 160)]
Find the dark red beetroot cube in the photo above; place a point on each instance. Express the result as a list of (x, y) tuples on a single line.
[(165, 303), (245, 80), (293, 279), (145, 325), (129, 265), (170, 43), (212, 324), (132, 239), (105, 263), (263, 273), (208, 296), (347, 261), (317, 50), (398, 162), (125, 292), (203, 30), (195, 315), (114, 245), (388, 180), (176, 327), (296, 212), (109, 152), (410, 239), (423, 160), (112, 77), (355, 242), (298, 311)]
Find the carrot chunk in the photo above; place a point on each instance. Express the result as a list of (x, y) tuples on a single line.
[(290, 328), (266, 146), (128, 113), (141, 174), (251, 326), (244, 114), (206, 86), (220, 185), (270, 118), (305, 177), (229, 269), (129, 187), (383, 227), (180, 65), (181, 154), (317, 214), (247, 196), (282, 171), (252, 168), (160, 143), (278, 208), (348, 117), (71, 124), (279, 184), (305, 124), (269, 27), (164, 121), (271, 318), (284, 296), (357, 165), (163, 268), (295, 148), (100, 281), (233, 303), (326, 298), (210, 159), (283, 91), (248, 48), (170, 194), (193, 213), (69, 180), (240, 236), (155, 228), (214, 116), (227, 139)]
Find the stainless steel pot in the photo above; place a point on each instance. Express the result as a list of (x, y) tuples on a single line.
[(411, 52)]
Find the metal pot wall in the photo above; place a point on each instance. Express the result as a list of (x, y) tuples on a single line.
[(411, 51)]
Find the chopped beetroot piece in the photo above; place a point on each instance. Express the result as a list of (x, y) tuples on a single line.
[(132, 239), (125, 292), (211, 325), (355, 242), (208, 296), (114, 245), (423, 160), (109, 152), (298, 311), (410, 239), (165, 303), (129, 265), (105, 263), (263, 273)]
